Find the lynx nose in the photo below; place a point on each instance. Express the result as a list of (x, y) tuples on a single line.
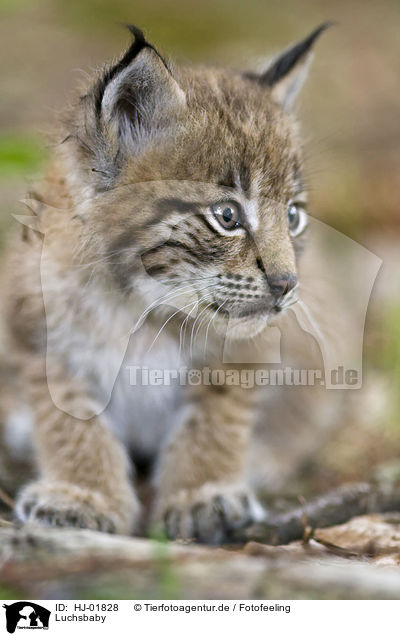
[(282, 285)]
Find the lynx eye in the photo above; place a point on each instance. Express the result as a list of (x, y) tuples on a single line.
[(297, 219), (227, 214)]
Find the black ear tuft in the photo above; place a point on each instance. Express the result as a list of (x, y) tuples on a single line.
[(135, 102), (289, 59), (137, 33), (287, 72), (139, 43)]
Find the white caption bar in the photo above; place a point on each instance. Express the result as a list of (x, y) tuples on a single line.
[(154, 617)]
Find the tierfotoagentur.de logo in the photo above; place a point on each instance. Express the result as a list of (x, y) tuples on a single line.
[(26, 615)]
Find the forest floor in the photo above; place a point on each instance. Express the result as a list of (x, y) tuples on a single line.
[(358, 559)]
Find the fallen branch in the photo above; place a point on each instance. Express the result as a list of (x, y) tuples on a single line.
[(332, 508), (39, 562), (6, 499)]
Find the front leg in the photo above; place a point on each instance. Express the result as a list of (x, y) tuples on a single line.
[(84, 471), (202, 493)]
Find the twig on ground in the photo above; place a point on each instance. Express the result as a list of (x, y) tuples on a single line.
[(6, 499), (332, 508), (5, 523)]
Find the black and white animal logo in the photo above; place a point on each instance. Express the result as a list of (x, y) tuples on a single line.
[(26, 615)]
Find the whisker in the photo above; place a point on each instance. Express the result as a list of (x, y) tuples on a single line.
[(193, 337), (184, 322), (289, 304), (207, 287), (311, 322), (159, 301), (209, 324), (167, 321)]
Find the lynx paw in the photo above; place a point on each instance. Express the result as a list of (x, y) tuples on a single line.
[(63, 504), (209, 514)]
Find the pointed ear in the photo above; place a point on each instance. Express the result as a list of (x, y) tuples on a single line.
[(287, 72), (137, 97)]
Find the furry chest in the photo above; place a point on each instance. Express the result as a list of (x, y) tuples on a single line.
[(143, 412)]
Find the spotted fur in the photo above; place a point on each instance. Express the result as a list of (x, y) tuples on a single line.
[(147, 152)]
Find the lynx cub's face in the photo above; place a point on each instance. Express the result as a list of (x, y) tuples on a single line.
[(193, 179)]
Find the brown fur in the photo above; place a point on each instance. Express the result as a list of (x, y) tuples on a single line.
[(127, 188)]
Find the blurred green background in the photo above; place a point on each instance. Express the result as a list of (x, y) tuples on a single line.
[(350, 113)]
